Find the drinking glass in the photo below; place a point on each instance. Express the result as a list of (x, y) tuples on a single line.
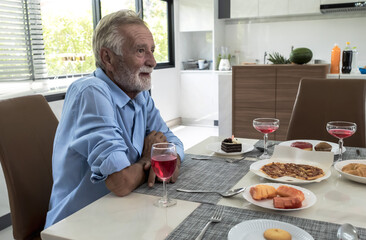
[(341, 130), (163, 162), (266, 125)]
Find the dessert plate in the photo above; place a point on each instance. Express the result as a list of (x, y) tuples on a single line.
[(339, 165), (256, 169), (254, 229), (216, 147), (335, 147), (310, 198)]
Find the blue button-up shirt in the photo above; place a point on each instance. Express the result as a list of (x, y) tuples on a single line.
[(101, 131)]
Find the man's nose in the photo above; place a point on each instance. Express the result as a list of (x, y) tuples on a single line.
[(150, 60)]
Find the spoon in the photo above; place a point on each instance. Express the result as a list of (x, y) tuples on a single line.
[(347, 232), (229, 193)]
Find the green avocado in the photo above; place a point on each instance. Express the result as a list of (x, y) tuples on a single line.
[(301, 55)]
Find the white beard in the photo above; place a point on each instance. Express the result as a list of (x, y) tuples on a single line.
[(132, 82)]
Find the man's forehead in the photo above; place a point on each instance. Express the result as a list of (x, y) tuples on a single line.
[(137, 34)]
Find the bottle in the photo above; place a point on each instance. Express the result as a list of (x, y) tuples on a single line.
[(335, 59), (354, 60), (347, 59)]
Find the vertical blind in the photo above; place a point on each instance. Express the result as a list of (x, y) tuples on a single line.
[(22, 55)]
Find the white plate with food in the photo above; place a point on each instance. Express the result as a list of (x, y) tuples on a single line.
[(216, 148), (335, 146), (256, 168), (254, 229), (310, 198), (347, 172)]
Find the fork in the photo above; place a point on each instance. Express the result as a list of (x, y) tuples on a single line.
[(216, 217)]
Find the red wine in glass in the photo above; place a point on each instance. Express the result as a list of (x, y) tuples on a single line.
[(341, 130), (163, 163), (266, 126)]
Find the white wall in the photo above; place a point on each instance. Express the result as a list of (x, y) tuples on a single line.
[(253, 39)]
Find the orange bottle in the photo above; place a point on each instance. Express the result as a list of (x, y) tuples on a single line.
[(336, 56)]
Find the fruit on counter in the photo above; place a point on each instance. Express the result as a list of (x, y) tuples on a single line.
[(276, 234), (287, 202), (277, 58), (261, 192), (301, 55), (286, 191)]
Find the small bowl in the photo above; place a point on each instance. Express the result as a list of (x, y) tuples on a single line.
[(362, 70)]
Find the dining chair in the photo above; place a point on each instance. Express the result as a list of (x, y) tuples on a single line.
[(319, 101), (27, 130)]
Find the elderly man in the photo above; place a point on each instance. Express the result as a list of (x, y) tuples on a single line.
[(109, 121)]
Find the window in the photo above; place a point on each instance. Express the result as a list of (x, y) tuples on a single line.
[(45, 39)]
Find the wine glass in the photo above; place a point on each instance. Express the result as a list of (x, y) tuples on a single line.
[(266, 125), (163, 162), (341, 130)]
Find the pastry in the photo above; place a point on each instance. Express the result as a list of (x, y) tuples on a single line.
[(357, 169), (303, 145), (261, 192), (323, 146), (300, 171), (287, 202), (276, 234), (286, 191), (229, 145)]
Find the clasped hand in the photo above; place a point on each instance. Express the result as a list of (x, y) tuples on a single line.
[(155, 137)]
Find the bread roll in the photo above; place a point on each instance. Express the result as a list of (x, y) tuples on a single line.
[(261, 192), (276, 234)]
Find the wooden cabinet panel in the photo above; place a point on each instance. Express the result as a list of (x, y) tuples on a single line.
[(243, 122), (288, 79), (284, 117), (267, 91), (254, 87)]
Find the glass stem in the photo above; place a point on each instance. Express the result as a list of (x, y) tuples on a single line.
[(265, 143), (165, 192), (340, 142)]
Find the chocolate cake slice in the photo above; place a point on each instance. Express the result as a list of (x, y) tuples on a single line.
[(230, 145)]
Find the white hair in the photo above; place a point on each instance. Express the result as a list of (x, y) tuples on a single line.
[(107, 33)]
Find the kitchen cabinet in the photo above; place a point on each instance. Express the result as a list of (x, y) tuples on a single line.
[(199, 94), (303, 7), (267, 91), (244, 8), (196, 15), (269, 8)]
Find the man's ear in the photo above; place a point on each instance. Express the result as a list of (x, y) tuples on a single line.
[(107, 57)]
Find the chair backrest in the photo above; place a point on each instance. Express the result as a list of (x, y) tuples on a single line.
[(27, 130), (319, 101)]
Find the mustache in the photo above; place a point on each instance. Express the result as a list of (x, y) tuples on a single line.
[(146, 69)]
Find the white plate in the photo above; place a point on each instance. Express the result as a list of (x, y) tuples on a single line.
[(254, 229), (216, 147), (310, 198), (256, 169), (339, 165), (335, 146)]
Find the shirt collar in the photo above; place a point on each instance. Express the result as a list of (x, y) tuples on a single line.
[(119, 96)]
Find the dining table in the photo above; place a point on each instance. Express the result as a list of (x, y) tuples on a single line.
[(337, 200)]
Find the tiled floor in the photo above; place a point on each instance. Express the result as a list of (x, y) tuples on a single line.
[(189, 135)]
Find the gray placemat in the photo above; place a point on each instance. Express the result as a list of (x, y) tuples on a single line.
[(212, 174), (194, 223)]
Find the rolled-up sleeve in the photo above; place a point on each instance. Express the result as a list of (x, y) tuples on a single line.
[(97, 135)]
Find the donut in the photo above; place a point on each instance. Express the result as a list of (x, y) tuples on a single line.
[(303, 145), (276, 234)]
